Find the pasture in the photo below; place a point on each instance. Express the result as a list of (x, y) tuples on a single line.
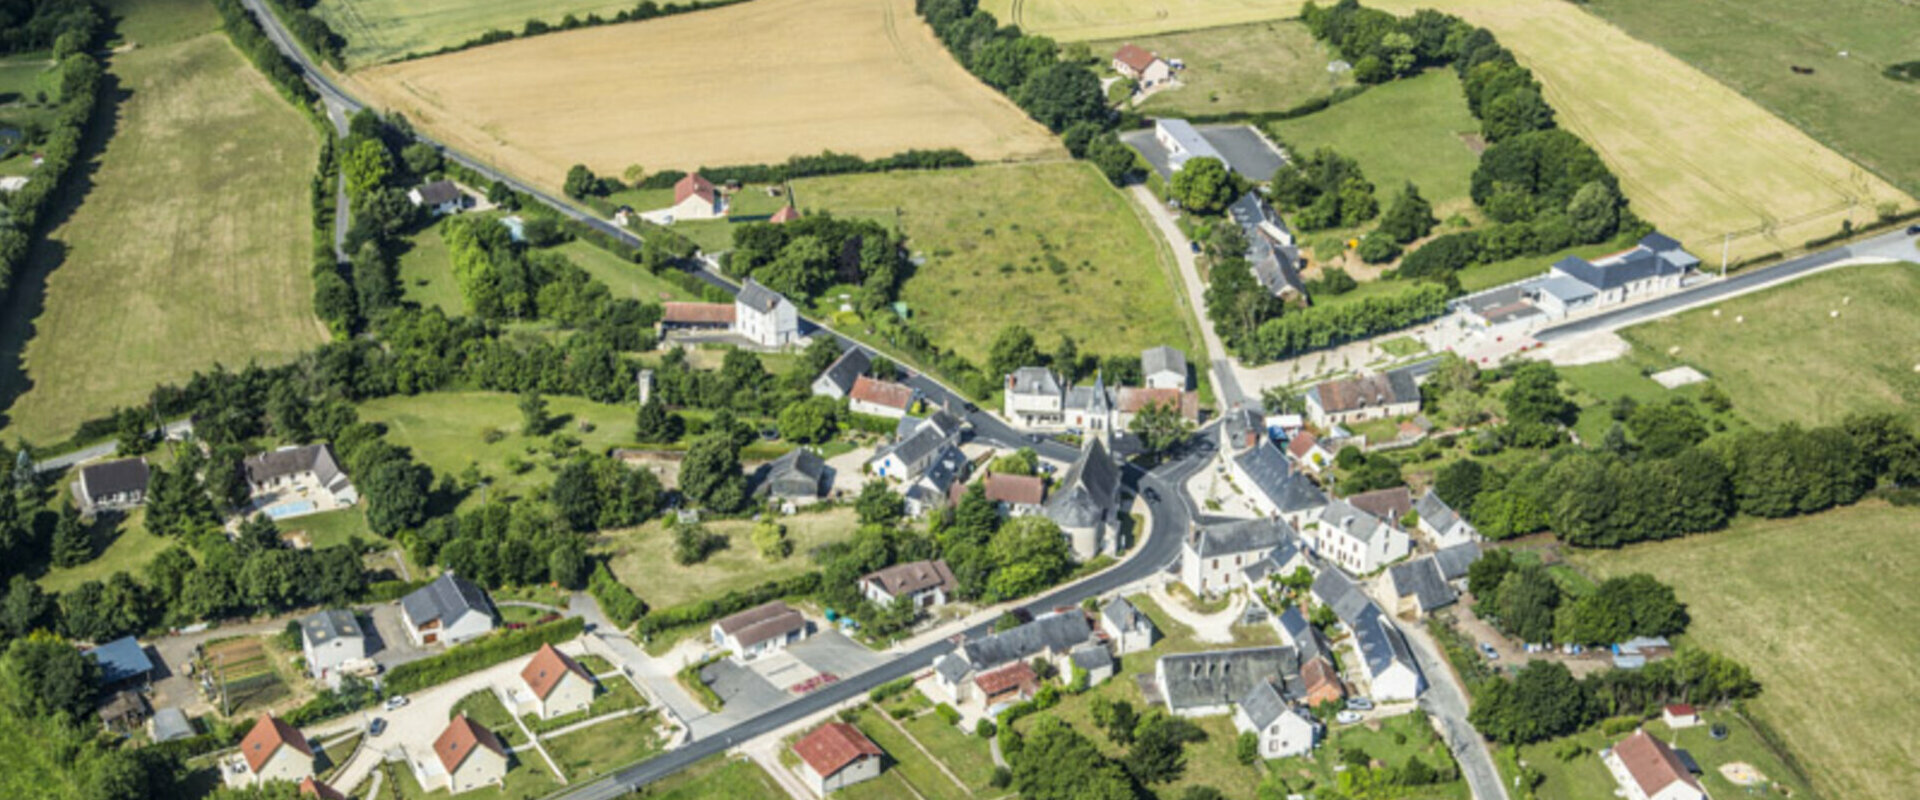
[(1077, 20), (1260, 66), (189, 247), (796, 77), (384, 30), (1791, 360), (1819, 607), (642, 557), (1417, 129), (1697, 159), (1753, 46), (1051, 246)]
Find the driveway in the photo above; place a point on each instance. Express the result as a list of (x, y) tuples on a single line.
[(392, 646), (741, 688), (1196, 289)]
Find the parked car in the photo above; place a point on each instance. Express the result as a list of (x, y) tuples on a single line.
[(1347, 717), (1151, 495), (377, 726), (1360, 703), (1913, 230), (1488, 651), (396, 701)]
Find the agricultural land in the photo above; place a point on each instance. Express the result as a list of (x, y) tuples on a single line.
[(865, 77), (1076, 20), (1819, 608), (1054, 245), (1417, 129), (190, 245), (1754, 46), (385, 30), (1697, 160), (1252, 68)]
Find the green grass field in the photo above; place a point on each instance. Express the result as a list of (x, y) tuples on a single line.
[(907, 761), (384, 30), (1585, 776), (642, 558), (1049, 246), (485, 709), (718, 778), (1406, 130), (623, 278), (426, 273), (1821, 609), (191, 245), (1075, 20), (589, 753), (967, 756), (1752, 46), (1791, 360), (1262, 66), (125, 546), (445, 432)]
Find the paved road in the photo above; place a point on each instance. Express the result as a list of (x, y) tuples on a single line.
[(1446, 701), (101, 450)]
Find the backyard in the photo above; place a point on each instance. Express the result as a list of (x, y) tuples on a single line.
[(1261, 66), (642, 558), (123, 545), (1583, 776)]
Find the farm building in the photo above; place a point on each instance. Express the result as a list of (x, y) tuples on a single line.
[(1183, 143), (837, 755), (123, 662)]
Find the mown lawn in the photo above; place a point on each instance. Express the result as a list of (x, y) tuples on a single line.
[(585, 754), (1821, 609), (1261, 66), (1414, 129), (1583, 776), (623, 278), (426, 273), (968, 756), (1392, 741), (903, 758), (485, 709), (447, 431), (718, 778), (642, 558), (121, 544)]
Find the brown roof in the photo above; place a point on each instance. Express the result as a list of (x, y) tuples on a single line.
[(692, 185), (1017, 675), (460, 739), (785, 214), (1365, 392), (546, 669), (912, 577), (1651, 763), (309, 786), (1134, 400), (882, 393), (1388, 504), (833, 746), (1029, 490), (1317, 675), (1680, 710), (762, 622), (697, 313), (1136, 58), (266, 738), (1301, 443)]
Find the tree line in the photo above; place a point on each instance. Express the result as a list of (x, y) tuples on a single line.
[(71, 28), (645, 10), (1544, 700)]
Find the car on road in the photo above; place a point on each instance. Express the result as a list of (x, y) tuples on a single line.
[(1913, 230), (1151, 495), (1347, 717), (1360, 703), (396, 701), (377, 726), (1488, 651)]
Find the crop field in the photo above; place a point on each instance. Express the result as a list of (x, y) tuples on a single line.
[(795, 77), (1697, 159), (1417, 129), (189, 247), (1783, 356), (1052, 247), (1076, 20), (1821, 609), (384, 30), (1753, 46), (1260, 66)]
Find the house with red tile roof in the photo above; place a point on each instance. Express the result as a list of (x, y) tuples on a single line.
[(1135, 62), (787, 213), (837, 755), (276, 751), (1647, 769), (314, 788), (555, 684), (1011, 683), (880, 398), (695, 197), (468, 756)]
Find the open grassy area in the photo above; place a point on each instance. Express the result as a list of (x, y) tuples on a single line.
[(718, 777), (1585, 776), (447, 431), (331, 528), (1406, 130), (1791, 360), (1392, 741), (1753, 45), (594, 751), (623, 278), (485, 709), (1696, 158), (1821, 609), (858, 76), (642, 558), (426, 273), (1052, 247), (1261, 66), (189, 246), (123, 545), (1075, 20), (969, 757), (384, 30), (908, 761)]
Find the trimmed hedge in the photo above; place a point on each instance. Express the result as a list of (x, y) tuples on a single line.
[(479, 654), (892, 688), (619, 602), (826, 163), (733, 602)]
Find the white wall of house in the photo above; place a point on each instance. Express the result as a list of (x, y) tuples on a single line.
[(572, 693), (286, 764), (1035, 411), (1324, 418), (1212, 574), (1332, 541), (482, 768), (1397, 682), (696, 207), (1678, 790), (330, 654), (777, 329), (858, 406), (469, 626), (862, 769), (1287, 736), (925, 598), (1129, 640)]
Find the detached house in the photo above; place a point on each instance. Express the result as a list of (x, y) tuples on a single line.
[(1271, 250), (275, 751), (1133, 62), (439, 198), (468, 756), (1392, 673), (1282, 728), (1274, 488), (1164, 368), (1440, 523), (1014, 495), (880, 398), (1035, 398), (1647, 769), (1378, 396), (1212, 556), (448, 611), (840, 376), (837, 755), (112, 485), (555, 684), (760, 630), (695, 197), (764, 317), (309, 472), (1053, 635), (329, 639), (1356, 540), (926, 583)]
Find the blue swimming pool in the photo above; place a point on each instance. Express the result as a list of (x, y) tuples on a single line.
[(294, 509)]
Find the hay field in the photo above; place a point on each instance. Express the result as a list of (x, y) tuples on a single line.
[(1821, 609), (191, 245), (1261, 66), (1696, 158), (1414, 129), (750, 83), (384, 30), (1077, 20)]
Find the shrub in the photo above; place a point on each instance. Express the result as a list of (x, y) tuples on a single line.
[(479, 654), (947, 713), (1614, 726), (621, 604), (708, 610), (985, 729), (892, 688), (1378, 249)]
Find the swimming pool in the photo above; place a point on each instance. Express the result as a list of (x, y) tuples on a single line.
[(294, 509)]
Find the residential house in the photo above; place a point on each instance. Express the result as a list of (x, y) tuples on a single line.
[(1310, 452), (556, 684), (1392, 673), (696, 317), (1656, 264), (1453, 562), (1089, 410), (1419, 587), (838, 379), (1283, 729), (1130, 402), (948, 470), (1377, 396), (1085, 504), (112, 485), (1148, 69), (1274, 488), (312, 787), (695, 197), (801, 474), (880, 398), (1009, 684), (448, 611), (1281, 561), (1319, 679), (1271, 251), (765, 628), (1648, 769), (1356, 540), (1035, 398), (1094, 659), (275, 751), (123, 662), (309, 472), (439, 197), (1127, 628), (1212, 556), (1014, 495), (329, 639), (1441, 524), (1388, 504), (1164, 368), (1183, 143), (468, 756), (837, 755), (1211, 681), (1243, 428), (1679, 715), (764, 317), (1052, 635), (925, 583)]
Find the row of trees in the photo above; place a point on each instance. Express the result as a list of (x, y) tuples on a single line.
[(77, 84), (1544, 700), (826, 163), (1320, 327)]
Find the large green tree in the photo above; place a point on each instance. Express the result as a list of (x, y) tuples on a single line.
[(1204, 186), (710, 477)]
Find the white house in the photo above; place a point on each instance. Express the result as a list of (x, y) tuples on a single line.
[(112, 484), (928, 583), (1679, 715), (1282, 728), (1357, 541), (1647, 769), (1129, 630), (695, 198), (880, 398), (757, 631), (1441, 524), (763, 316), (1273, 487), (840, 376), (1378, 396), (468, 756), (448, 611), (1183, 143), (439, 197), (1212, 556), (1387, 661), (1164, 368), (555, 684), (837, 755), (275, 751), (330, 638), (1035, 398), (1134, 62), (292, 481)]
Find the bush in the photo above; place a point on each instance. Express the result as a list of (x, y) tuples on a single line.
[(984, 729), (479, 654), (1614, 726), (1002, 777), (621, 604), (708, 610), (892, 688), (1378, 249), (947, 713)]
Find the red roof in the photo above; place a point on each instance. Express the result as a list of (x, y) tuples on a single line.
[(785, 214), (697, 313), (1020, 490), (1651, 763), (547, 667), (1299, 444), (266, 738), (1136, 58), (1135, 400), (460, 739), (882, 393), (1680, 710), (833, 746), (690, 186), (309, 786), (1017, 675)]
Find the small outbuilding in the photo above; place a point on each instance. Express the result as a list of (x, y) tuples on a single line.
[(837, 755)]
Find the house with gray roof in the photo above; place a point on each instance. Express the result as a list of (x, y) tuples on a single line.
[(1454, 562), (1211, 681), (1334, 589), (1419, 587), (1283, 728), (330, 638), (1126, 627), (932, 490), (1054, 636), (1656, 264), (1035, 397), (1085, 504), (1183, 143), (294, 480), (1319, 679), (765, 628), (1357, 541), (1392, 673), (918, 444), (1274, 487), (1278, 562), (448, 611), (1164, 368), (764, 317), (1441, 523), (801, 474), (1089, 410), (1214, 554), (1094, 659), (112, 485), (123, 662), (838, 378), (1271, 250)]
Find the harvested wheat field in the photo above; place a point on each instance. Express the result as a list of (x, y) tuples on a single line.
[(750, 83), (1696, 158), (1074, 20)]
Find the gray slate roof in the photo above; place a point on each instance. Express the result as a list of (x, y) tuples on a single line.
[(1275, 264), (1091, 656), (1336, 590), (1263, 704), (757, 297), (329, 625), (799, 473), (169, 724), (116, 477), (1421, 579), (1096, 399), (848, 368), (448, 598), (1275, 560), (317, 458), (1217, 677), (1163, 359), (1381, 644), (1274, 476), (952, 667), (1357, 523), (1034, 381), (1435, 512), (438, 192), (1307, 640), (1087, 492), (1656, 255), (1121, 615), (1241, 536), (1454, 561), (1056, 633), (919, 450)]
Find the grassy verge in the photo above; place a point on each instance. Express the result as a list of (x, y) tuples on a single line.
[(595, 751)]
